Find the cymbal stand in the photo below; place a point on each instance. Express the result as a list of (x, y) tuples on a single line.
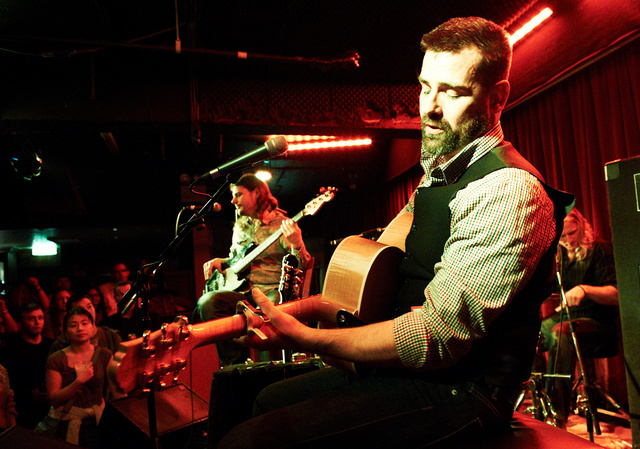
[(584, 403), (541, 406)]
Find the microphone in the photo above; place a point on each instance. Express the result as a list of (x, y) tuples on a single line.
[(272, 147)]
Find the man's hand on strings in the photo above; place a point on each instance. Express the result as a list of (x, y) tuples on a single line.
[(292, 233), (282, 330), (209, 266)]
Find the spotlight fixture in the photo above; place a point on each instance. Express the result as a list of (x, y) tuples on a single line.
[(529, 26), (263, 175), (310, 142)]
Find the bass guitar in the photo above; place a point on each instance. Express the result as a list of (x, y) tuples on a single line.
[(231, 278), (361, 282)]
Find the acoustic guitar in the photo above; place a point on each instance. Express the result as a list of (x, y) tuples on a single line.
[(361, 281), (231, 279)]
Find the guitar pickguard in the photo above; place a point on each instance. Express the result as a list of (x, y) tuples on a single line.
[(229, 280)]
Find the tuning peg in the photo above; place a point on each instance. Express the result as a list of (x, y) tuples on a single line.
[(167, 343), (147, 349), (178, 365)]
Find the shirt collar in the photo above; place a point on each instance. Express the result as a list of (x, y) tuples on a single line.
[(438, 172)]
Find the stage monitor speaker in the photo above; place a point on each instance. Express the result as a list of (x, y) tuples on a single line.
[(17, 437), (235, 387), (125, 422), (623, 187)]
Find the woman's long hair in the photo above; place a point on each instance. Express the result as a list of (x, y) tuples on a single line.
[(586, 235)]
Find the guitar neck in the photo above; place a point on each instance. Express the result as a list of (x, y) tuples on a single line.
[(136, 362), (313, 308), (243, 263)]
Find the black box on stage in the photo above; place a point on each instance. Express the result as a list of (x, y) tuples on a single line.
[(623, 187), (125, 422), (235, 387)]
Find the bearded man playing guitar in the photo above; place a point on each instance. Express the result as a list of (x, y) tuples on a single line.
[(458, 348), (259, 218)]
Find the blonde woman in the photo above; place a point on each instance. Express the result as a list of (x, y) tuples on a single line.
[(587, 270)]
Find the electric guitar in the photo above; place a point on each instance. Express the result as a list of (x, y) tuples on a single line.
[(361, 282), (290, 279), (231, 278)]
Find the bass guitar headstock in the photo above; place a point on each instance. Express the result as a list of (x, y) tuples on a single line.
[(326, 194)]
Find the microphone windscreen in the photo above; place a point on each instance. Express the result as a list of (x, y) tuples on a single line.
[(277, 145)]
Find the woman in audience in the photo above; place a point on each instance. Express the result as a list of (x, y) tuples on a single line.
[(78, 373)]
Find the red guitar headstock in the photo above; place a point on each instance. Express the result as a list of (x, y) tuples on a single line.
[(140, 363)]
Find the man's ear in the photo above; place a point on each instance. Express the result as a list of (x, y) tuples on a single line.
[(499, 95)]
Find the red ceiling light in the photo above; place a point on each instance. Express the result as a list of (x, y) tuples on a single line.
[(299, 143), (529, 26)]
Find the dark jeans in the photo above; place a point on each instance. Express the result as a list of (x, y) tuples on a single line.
[(387, 408), (557, 340)]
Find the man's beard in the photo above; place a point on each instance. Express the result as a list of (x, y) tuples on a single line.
[(450, 141)]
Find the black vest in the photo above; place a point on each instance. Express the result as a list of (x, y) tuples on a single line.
[(505, 354)]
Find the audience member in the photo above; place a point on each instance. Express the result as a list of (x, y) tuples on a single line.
[(7, 324), (104, 336), (24, 357), (129, 321), (7, 404), (119, 272), (95, 295), (27, 292), (53, 323), (62, 281), (78, 373)]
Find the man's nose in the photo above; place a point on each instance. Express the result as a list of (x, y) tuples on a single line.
[(429, 105)]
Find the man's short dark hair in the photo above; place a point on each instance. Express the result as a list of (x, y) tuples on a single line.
[(490, 39), (30, 307)]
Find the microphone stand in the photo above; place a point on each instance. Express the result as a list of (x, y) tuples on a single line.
[(592, 420), (140, 290)]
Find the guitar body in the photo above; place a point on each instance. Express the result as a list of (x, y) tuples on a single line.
[(229, 279), (362, 275), (363, 278)]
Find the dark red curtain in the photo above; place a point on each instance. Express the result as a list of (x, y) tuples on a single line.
[(570, 131)]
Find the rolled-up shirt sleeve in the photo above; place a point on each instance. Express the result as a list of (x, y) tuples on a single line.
[(501, 225)]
